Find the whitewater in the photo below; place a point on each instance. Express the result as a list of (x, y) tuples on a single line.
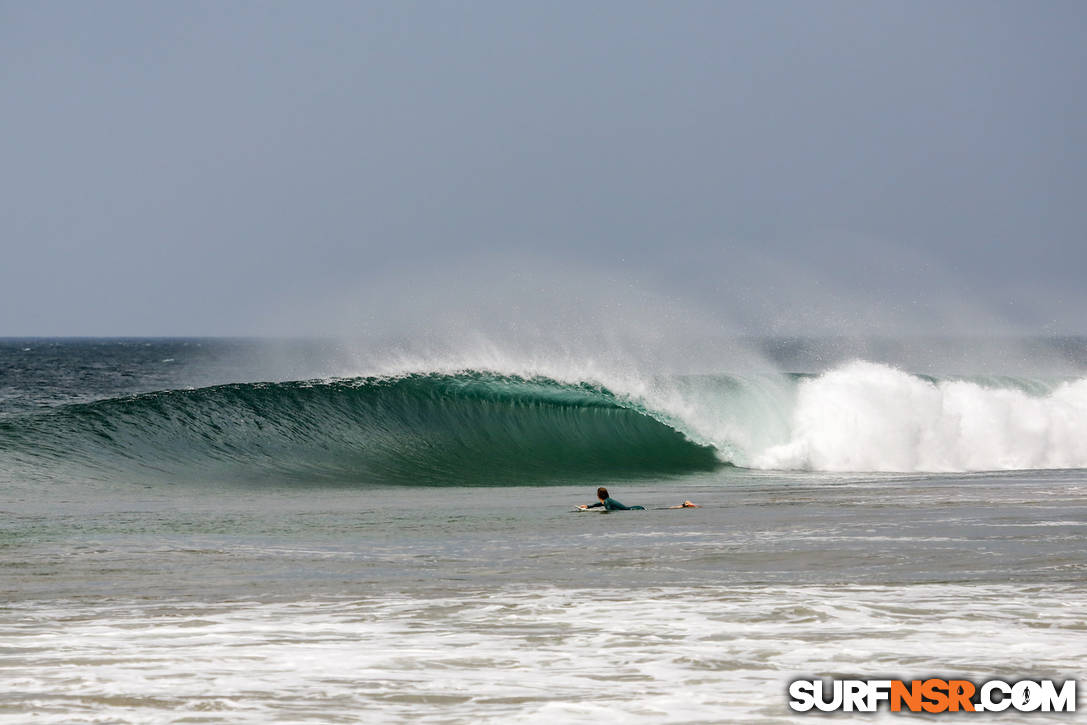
[(486, 426), (219, 531), (870, 417)]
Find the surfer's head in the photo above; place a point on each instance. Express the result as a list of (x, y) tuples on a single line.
[(602, 493)]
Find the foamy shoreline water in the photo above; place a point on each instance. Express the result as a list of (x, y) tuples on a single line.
[(704, 654), (240, 570)]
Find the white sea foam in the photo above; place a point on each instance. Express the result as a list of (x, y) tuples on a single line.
[(869, 417), (666, 655), (858, 417)]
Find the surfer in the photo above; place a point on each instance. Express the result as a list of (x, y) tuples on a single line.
[(610, 503), (686, 505)]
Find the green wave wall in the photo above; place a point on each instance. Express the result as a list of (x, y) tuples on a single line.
[(419, 429)]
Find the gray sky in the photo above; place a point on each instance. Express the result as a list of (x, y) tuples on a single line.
[(282, 168)]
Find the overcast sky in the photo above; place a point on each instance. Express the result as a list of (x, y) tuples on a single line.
[(186, 168)]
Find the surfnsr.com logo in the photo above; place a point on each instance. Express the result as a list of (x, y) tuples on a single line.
[(932, 695)]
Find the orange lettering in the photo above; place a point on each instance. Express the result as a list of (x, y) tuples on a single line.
[(934, 691), (959, 693), (911, 695)]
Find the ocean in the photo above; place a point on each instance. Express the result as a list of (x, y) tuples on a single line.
[(253, 531)]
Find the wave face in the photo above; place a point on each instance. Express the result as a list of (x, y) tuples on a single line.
[(464, 428), (432, 428)]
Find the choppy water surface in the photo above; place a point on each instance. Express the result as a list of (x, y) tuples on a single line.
[(171, 551), (482, 604)]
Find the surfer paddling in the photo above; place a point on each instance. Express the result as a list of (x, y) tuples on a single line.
[(610, 503)]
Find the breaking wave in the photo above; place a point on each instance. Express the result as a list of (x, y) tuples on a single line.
[(480, 427), (470, 427)]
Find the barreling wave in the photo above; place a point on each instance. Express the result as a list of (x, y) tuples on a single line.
[(429, 428), (478, 427)]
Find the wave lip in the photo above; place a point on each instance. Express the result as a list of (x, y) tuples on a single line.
[(424, 428), (483, 427)]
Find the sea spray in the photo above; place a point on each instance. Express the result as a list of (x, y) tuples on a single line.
[(870, 417), (493, 427), (417, 429)]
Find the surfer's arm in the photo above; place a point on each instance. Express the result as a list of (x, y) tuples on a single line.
[(598, 504)]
